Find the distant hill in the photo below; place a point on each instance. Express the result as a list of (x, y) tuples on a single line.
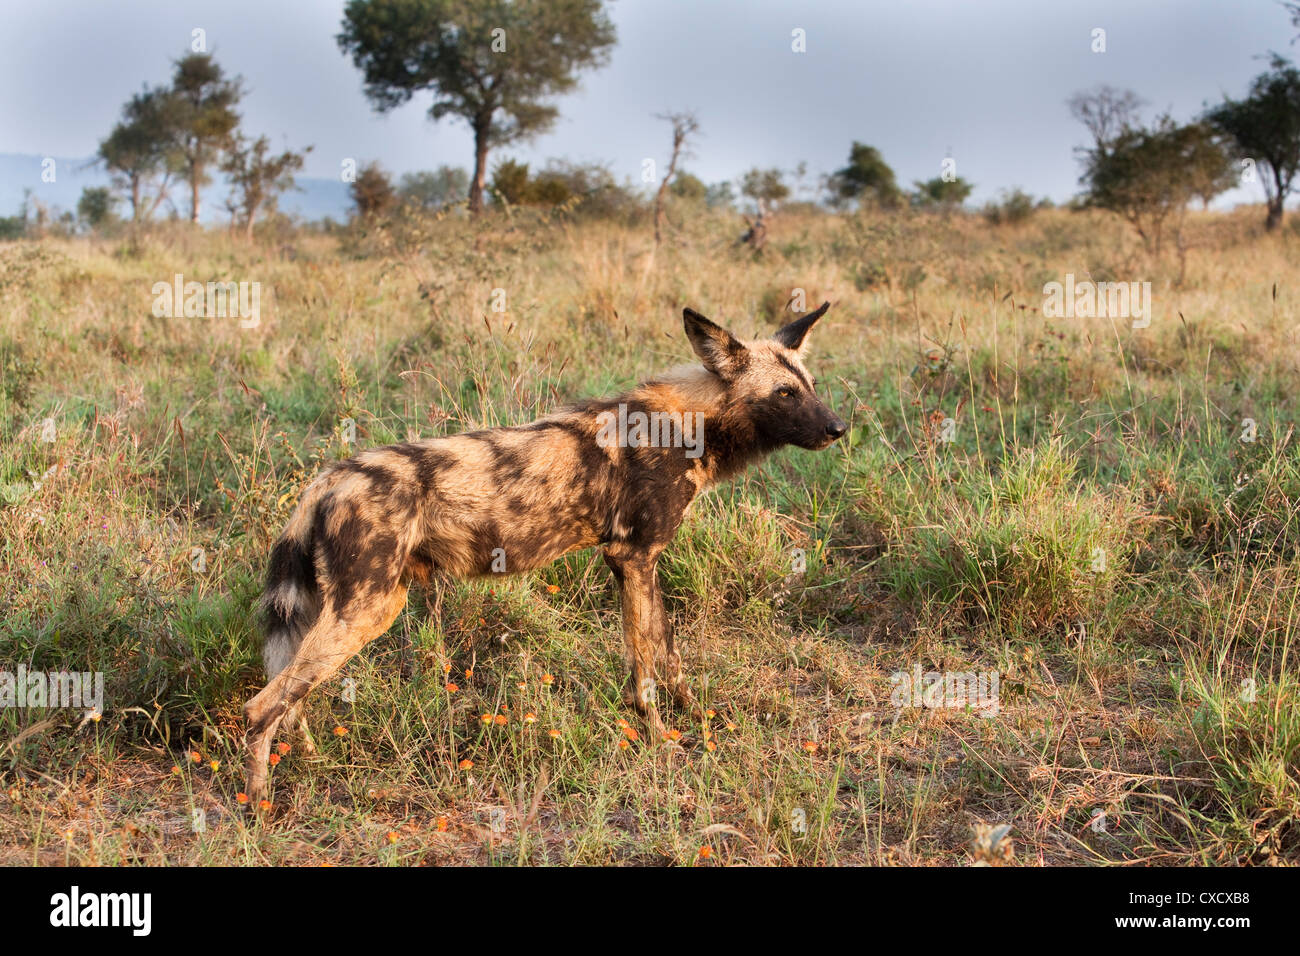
[(314, 199)]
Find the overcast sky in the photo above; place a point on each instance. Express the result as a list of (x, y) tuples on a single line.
[(915, 78)]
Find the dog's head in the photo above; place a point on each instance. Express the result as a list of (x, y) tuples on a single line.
[(769, 379)]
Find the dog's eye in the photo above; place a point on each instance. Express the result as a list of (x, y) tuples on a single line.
[(785, 392)]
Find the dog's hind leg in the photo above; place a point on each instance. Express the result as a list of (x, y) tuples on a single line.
[(332, 640)]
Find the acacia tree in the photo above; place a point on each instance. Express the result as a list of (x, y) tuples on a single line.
[(136, 152), (256, 179), (201, 105), (1265, 126), (867, 174), (492, 63), (1148, 176)]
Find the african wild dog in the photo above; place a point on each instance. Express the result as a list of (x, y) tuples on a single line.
[(368, 527)]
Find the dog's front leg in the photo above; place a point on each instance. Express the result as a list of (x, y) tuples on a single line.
[(635, 573), (670, 661)]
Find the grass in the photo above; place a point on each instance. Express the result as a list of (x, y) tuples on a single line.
[(1067, 503)]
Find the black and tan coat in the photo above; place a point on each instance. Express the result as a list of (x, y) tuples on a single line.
[(514, 499)]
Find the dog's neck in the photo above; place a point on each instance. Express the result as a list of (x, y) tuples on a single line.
[(729, 441)]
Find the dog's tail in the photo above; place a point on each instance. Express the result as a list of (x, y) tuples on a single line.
[(292, 599)]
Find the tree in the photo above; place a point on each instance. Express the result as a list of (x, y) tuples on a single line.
[(764, 186), (510, 182), (1149, 175), (258, 180), (95, 207), (947, 194), (684, 126), (866, 175), (433, 190), (202, 105), (720, 194), (137, 151), (492, 63), (688, 187), (1106, 112), (1265, 126), (372, 192)]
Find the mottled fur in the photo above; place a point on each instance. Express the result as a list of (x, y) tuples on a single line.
[(370, 526)]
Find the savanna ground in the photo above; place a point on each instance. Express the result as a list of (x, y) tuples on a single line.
[(1161, 689)]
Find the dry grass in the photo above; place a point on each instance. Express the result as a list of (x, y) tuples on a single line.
[(1121, 689)]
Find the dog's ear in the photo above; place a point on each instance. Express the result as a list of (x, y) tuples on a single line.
[(795, 334), (718, 349)]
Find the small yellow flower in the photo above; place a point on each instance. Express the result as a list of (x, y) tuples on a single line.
[(706, 852), (810, 746), (552, 733), (451, 688), (340, 731), (392, 836), (215, 765), (466, 764), (623, 745), (548, 679), (241, 797), (500, 719), (441, 825), (530, 718), (284, 748)]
